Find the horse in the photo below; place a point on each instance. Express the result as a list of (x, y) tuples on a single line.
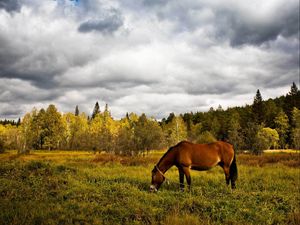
[(186, 155)]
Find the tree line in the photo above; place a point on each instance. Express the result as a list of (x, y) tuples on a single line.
[(272, 123)]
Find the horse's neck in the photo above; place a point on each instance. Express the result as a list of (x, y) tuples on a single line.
[(166, 163)]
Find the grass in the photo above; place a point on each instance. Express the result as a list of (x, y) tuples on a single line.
[(82, 188)]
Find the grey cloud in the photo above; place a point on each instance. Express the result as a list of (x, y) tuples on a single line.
[(104, 25), (10, 111), (155, 2), (242, 30), (10, 5), (18, 91), (51, 61), (235, 23)]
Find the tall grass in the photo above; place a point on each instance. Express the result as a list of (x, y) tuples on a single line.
[(73, 188)]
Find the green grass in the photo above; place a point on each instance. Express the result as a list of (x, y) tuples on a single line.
[(81, 188)]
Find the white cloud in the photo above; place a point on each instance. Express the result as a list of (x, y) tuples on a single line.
[(154, 56)]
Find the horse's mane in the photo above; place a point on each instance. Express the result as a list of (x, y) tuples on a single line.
[(169, 150)]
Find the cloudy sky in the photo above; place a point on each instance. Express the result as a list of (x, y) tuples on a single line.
[(153, 56)]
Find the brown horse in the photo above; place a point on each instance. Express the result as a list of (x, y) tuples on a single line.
[(186, 156)]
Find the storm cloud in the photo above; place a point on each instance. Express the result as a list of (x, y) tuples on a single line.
[(148, 56), (10, 5)]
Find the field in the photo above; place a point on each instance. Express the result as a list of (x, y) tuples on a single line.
[(83, 188)]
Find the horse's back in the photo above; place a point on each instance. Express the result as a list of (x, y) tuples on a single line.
[(204, 155), (219, 146)]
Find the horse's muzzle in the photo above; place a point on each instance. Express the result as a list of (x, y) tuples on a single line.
[(153, 188)]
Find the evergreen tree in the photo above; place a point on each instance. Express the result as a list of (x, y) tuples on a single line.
[(96, 110), (258, 108), (215, 127), (234, 132), (170, 118), (294, 90), (106, 111), (18, 122), (292, 100), (250, 134), (220, 109), (76, 111)]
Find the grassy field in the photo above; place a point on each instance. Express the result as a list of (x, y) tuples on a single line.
[(82, 188)]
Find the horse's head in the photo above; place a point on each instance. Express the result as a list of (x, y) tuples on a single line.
[(157, 179)]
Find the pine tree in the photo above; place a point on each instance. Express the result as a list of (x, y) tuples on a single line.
[(258, 108), (76, 111), (18, 122), (294, 90), (292, 100), (96, 110), (106, 111)]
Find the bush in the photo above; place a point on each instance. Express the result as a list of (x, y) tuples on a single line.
[(206, 137)]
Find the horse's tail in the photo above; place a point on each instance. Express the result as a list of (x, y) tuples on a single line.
[(233, 172)]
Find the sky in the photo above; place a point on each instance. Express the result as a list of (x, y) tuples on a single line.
[(151, 56)]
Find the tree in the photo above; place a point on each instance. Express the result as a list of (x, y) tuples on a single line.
[(250, 134), (125, 137), (175, 131), (109, 131), (9, 137), (76, 111), (258, 108), (40, 128), (266, 138), (234, 132), (206, 137), (294, 90), (170, 118), (95, 128), (2, 140), (96, 110), (195, 131), (76, 131), (215, 127), (296, 128), (282, 125), (55, 128), (148, 134), (292, 100), (26, 134)]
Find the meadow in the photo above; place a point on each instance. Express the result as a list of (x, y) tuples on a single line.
[(67, 187)]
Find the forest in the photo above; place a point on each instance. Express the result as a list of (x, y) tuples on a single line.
[(265, 124)]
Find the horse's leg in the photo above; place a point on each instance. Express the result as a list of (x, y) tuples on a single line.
[(227, 175), (187, 174), (181, 178)]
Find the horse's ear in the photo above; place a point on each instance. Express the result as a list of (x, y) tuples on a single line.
[(154, 169)]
